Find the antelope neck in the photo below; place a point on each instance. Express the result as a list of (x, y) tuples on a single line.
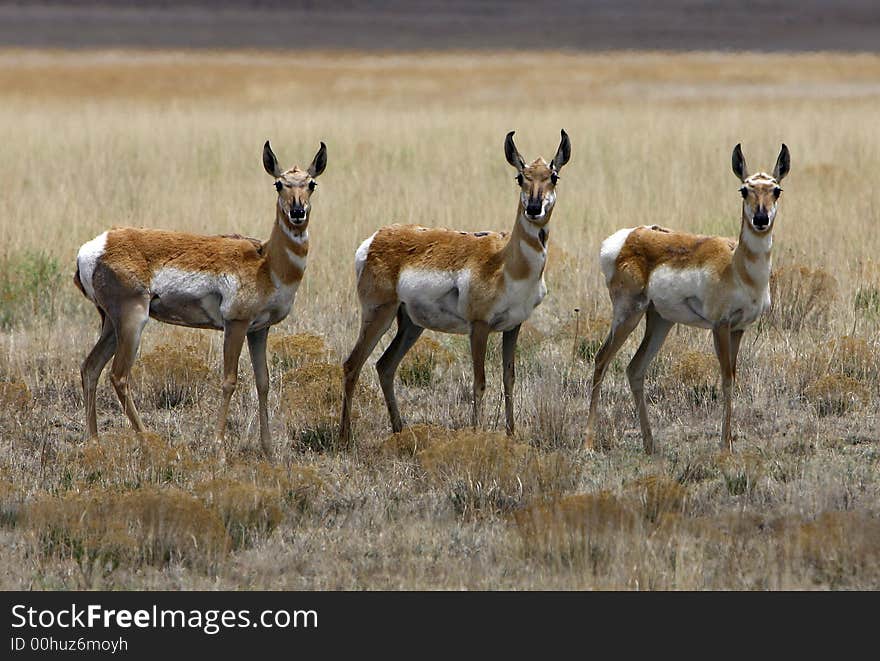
[(526, 250), (751, 258), (287, 249)]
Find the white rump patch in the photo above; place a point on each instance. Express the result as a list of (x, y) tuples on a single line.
[(360, 255), (610, 250), (86, 260)]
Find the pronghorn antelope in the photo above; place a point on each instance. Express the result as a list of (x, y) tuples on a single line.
[(673, 277), (238, 285), (470, 283)]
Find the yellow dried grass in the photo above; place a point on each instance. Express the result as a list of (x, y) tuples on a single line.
[(150, 526), (489, 472)]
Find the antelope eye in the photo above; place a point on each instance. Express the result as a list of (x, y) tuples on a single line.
[(554, 178), (278, 186), (519, 179), (312, 184), (744, 192), (776, 192)]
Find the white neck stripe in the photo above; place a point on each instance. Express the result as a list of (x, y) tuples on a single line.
[(300, 237)]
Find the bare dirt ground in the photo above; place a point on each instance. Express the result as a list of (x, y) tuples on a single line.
[(757, 25)]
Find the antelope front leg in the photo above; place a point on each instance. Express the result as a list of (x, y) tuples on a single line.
[(257, 349), (508, 359), (233, 339), (723, 350), (735, 339), (479, 339)]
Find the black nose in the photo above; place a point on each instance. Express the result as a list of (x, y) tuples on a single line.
[(297, 214), (761, 220), (533, 208)]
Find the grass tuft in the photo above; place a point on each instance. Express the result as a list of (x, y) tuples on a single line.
[(802, 297), (415, 439), (421, 362), (130, 460), (154, 526), (291, 351), (174, 375), (486, 472), (249, 512), (836, 394), (15, 396)]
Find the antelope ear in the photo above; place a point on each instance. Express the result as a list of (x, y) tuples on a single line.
[(562, 154), (319, 162), (512, 153), (739, 163), (783, 164), (270, 162)]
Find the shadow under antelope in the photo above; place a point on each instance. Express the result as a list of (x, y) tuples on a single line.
[(231, 283), (471, 283), (672, 277)]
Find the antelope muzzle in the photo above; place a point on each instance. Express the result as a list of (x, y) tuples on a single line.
[(297, 214), (761, 219), (535, 207)]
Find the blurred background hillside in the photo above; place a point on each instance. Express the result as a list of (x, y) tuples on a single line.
[(754, 25)]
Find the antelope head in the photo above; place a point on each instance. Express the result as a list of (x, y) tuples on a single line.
[(537, 181), (760, 191), (295, 187)]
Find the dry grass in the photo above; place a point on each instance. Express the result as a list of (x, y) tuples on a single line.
[(103, 529), (289, 351), (483, 471), (422, 361), (173, 140), (803, 296), (173, 375), (835, 394)]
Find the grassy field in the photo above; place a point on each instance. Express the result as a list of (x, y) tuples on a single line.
[(173, 140)]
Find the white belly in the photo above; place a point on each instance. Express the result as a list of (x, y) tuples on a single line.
[(193, 298), (682, 296), (277, 306), (520, 299), (746, 308), (678, 295), (437, 300)]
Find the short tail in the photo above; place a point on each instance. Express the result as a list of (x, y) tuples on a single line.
[(78, 282)]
